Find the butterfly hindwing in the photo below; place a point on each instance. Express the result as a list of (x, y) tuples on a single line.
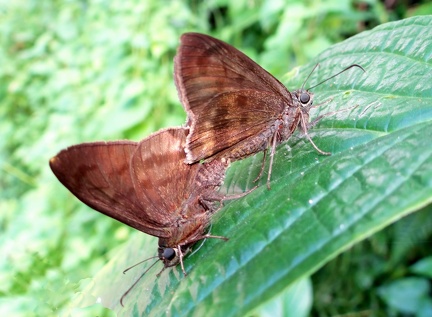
[(159, 173)]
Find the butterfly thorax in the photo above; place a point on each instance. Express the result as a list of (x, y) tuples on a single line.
[(187, 228), (293, 114)]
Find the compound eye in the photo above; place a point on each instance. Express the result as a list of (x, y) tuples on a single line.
[(304, 98), (168, 254)]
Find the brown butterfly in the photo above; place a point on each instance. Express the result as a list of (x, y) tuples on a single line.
[(235, 108), (147, 186)]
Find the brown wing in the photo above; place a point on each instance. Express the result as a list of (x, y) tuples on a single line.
[(235, 125), (160, 175), (182, 194), (223, 91), (98, 174)]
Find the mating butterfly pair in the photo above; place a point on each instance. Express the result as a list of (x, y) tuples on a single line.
[(147, 186), (235, 109)]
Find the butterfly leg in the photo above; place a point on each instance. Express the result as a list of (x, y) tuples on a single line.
[(180, 255), (262, 166), (221, 198), (328, 114), (272, 153), (214, 237), (206, 236), (305, 127), (239, 195), (318, 119), (203, 238)]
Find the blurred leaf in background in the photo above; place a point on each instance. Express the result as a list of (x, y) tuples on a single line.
[(80, 71)]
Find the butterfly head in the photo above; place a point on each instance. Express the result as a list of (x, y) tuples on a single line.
[(303, 99), (170, 256)]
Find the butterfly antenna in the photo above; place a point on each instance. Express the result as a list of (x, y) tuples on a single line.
[(307, 78), (345, 69), (131, 267), (136, 282)]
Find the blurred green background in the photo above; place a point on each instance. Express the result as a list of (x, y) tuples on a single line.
[(80, 71)]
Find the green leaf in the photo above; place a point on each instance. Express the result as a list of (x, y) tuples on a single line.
[(318, 206), (423, 267), (295, 301), (406, 295)]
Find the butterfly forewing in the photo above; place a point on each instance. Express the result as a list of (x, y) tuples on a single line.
[(215, 67), (222, 89)]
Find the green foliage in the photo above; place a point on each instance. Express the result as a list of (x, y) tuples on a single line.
[(79, 71), (408, 296), (369, 267), (423, 267)]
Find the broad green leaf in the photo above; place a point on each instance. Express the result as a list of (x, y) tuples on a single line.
[(380, 170)]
